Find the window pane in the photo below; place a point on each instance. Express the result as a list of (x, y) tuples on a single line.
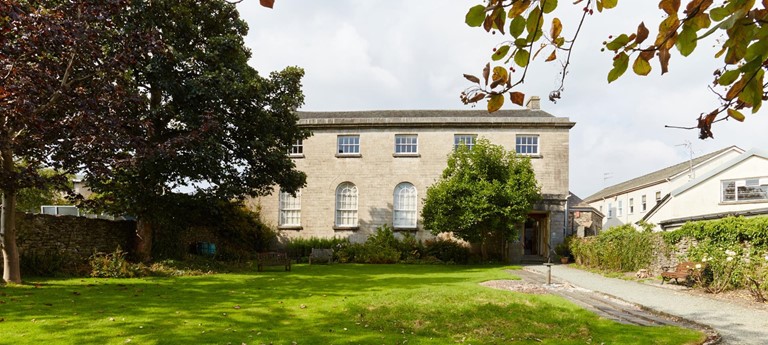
[(405, 203), (527, 144), (464, 139), (349, 144), (346, 204), (290, 209), (406, 144)]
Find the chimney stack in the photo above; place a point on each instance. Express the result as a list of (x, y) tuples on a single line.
[(534, 103)]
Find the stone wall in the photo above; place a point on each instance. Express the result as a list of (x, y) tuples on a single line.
[(69, 236)]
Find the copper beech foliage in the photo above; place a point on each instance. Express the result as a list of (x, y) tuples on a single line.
[(529, 28)]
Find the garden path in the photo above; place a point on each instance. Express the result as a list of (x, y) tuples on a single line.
[(736, 324)]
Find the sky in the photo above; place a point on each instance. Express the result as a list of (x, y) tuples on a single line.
[(405, 54)]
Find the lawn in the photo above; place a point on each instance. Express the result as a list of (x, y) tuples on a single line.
[(318, 304)]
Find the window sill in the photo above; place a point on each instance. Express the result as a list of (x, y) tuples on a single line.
[(290, 227), (348, 155), (296, 155), (409, 229), (531, 156), (353, 228), (406, 155), (745, 202)]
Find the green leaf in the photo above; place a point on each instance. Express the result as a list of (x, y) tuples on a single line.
[(617, 42), (728, 77), (521, 43), (736, 115), (718, 14), (641, 66), (757, 51), (686, 41), (475, 16), (517, 26), (535, 20), (620, 64), (521, 57), (548, 5), (610, 3), (500, 53)]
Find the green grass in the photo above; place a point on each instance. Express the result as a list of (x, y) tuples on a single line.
[(319, 304)]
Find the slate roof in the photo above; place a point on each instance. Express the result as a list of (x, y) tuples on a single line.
[(382, 114), (433, 118), (652, 178)]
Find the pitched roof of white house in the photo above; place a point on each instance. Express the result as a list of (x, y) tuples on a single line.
[(714, 172), (656, 177)]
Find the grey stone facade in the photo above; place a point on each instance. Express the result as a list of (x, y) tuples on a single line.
[(378, 169)]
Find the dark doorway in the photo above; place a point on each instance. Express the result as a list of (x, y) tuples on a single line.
[(531, 237)]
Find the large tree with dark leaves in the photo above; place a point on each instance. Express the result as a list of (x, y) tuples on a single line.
[(213, 126), (64, 78)]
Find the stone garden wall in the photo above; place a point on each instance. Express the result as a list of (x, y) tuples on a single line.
[(70, 236)]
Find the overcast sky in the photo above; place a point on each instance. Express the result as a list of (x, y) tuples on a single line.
[(406, 54)]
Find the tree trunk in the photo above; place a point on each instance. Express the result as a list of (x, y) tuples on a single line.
[(142, 247), (11, 264)]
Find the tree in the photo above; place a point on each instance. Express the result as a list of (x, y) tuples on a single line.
[(484, 194), (738, 85), (212, 126), (63, 71)]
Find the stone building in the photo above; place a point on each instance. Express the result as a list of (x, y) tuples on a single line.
[(369, 168)]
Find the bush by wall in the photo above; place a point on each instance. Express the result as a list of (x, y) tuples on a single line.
[(299, 248), (734, 251), (620, 249), (383, 247)]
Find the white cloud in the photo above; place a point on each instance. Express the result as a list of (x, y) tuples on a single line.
[(404, 54)]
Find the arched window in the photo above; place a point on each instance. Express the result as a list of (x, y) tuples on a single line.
[(346, 205), (405, 206), (290, 209)]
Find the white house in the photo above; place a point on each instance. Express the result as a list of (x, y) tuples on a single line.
[(660, 197)]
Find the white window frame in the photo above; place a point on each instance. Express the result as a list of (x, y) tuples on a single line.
[(753, 189), (405, 206), (289, 209), (346, 205), (610, 210), (631, 206), (658, 196), (527, 144), (406, 144), (348, 145), (297, 149), (620, 208), (467, 140), (644, 203)]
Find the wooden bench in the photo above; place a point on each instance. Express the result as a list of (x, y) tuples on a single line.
[(321, 254), (683, 270), (272, 259)]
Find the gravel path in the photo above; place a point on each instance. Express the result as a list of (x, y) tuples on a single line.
[(737, 325)]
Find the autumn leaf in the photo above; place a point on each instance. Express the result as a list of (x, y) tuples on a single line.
[(557, 28), (518, 7), (517, 98), (500, 53), (499, 74), (670, 6), (642, 33), (267, 3), (664, 60), (641, 66), (472, 78), (552, 56), (495, 103), (486, 72), (736, 115)]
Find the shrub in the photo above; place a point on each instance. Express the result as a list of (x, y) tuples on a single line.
[(734, 249), (300, 248), (51, 263), (447, 251), (114, 265), (620, 249)]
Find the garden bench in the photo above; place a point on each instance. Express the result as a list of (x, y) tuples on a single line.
[(272, 259), (683, 270), (321, 254)]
